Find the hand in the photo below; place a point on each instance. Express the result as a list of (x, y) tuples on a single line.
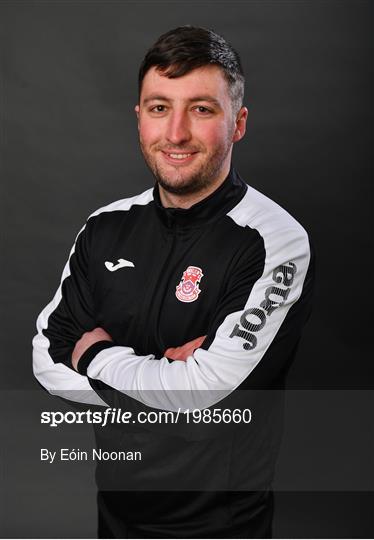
[(88, 339), (184, 351)]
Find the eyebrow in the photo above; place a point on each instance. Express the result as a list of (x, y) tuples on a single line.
[(209, 99)]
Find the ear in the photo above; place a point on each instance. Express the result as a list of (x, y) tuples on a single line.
[(137, 111), (240, 124)]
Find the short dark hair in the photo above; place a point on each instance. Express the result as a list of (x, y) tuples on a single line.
[(185, 48)]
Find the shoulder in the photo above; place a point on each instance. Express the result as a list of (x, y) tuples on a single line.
[(283, 236), (124, 205), (106, 219), (117, 212)]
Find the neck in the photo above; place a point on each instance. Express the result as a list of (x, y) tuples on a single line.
[(171, 200)]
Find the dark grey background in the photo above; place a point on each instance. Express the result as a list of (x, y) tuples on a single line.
[(69, 143)]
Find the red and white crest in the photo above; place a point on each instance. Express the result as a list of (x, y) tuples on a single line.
[(188, 288)]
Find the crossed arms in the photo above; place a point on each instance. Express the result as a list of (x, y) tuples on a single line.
[(99, 334), (252, 336)]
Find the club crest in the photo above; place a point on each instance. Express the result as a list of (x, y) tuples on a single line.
[(188, 288)]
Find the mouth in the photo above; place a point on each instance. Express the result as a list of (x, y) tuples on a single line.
[(178, 157)]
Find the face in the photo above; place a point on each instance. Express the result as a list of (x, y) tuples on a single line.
[(187, 128)]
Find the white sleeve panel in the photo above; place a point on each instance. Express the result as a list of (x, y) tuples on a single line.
[(57, 378)]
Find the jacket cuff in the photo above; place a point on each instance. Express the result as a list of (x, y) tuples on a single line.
[(90, 354)]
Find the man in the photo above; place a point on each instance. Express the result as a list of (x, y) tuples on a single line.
[(191, 295)]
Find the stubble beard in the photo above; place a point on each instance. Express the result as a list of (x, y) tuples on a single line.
[(197, 181)]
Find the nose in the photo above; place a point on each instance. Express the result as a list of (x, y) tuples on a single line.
[(178, 128)]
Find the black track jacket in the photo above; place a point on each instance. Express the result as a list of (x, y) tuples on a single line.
[(235, 267)]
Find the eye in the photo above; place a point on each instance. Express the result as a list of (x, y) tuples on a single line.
[(203, 110), (158, 108)]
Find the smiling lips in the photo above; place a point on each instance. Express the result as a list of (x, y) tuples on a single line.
[(179, 157)]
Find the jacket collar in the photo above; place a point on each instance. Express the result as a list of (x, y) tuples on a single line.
[(218, 203)]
